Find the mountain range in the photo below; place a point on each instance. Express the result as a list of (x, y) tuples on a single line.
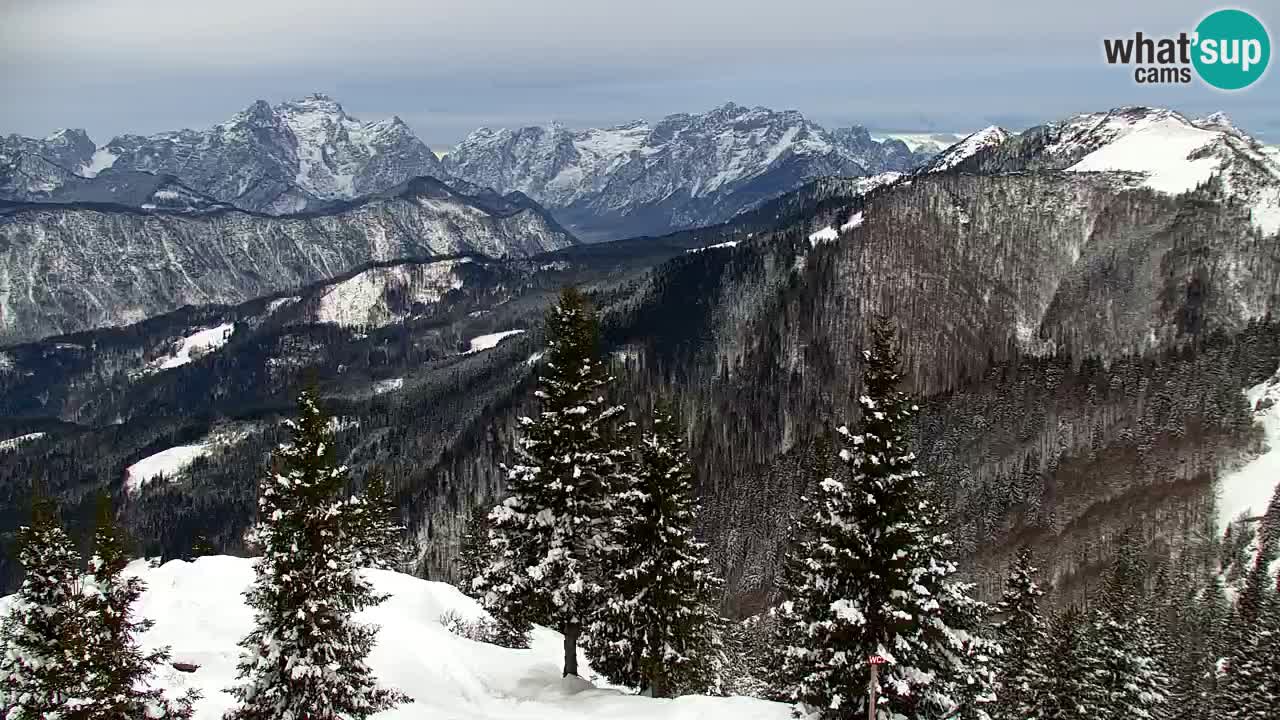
[(1080, 304), (305, 155), (680, 172)]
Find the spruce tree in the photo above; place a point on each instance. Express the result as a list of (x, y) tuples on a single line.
[(474, 556), (42, 668), (660, 630), (116, 667), (1126, 670), (873, 576), (379, 535), (305, 657), (1023, 636), (1249, 687), (549, 534), (1068, 691)]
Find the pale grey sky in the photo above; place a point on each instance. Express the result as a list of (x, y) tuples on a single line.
[(448, 66)]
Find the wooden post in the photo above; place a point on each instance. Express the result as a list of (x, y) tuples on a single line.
[(875, 661), (871, 707)]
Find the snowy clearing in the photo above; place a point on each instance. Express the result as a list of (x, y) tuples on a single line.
[(198, 611), (825, 235), (854, 222), (1249, 488), (201, 343), (166, 463), (490, 341), (360, 300), (14, 442), (102, 159), (390, 385), (717, 246), (1160, 149)]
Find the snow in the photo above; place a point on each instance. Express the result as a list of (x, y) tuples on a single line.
[(854, 222), (199, 612), (727, 244), (825, 235), (102, 159), (385, 386), (987, 137), (201, 342), (360, 301), (1249, 488), (487, 342), (14, 442), (166, 463), (1160, 148)]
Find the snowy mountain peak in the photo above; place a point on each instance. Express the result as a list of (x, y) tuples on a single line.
[(1157, 148), (290, 157), (681, 171), (984, 139)]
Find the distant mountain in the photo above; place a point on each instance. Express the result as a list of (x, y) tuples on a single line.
[(74, 266), (683, 171), (293, 157), (33, 168)]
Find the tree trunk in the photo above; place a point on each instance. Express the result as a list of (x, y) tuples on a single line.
[(571, 632)]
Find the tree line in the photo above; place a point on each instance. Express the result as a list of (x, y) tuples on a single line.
[(596, 539)]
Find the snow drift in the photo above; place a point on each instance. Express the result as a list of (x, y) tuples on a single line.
[(198, 611)]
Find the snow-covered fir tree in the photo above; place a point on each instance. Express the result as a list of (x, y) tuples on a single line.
[(548, 536), (1123, 646), (1023, 635), (379, 535), (474, 554), (1069, 692), (873, 575), (116, 668), (42, 659), (305, 657), (660, 630), (474, 557)]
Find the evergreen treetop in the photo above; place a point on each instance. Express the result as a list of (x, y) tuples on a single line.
[(305, 657), (549, 534)]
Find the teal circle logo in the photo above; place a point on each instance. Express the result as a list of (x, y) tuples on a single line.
[(1232, 49)]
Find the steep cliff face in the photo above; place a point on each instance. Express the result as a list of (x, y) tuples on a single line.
[(683, 171), (73, 267)]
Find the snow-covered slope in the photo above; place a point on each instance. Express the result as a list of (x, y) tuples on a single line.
[(199, 612), (167, 463), (1155, 148), (490, 341), (983, 139), (74, 267), (194, 346), (363, 299), (683, 170), (1248, 489)]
